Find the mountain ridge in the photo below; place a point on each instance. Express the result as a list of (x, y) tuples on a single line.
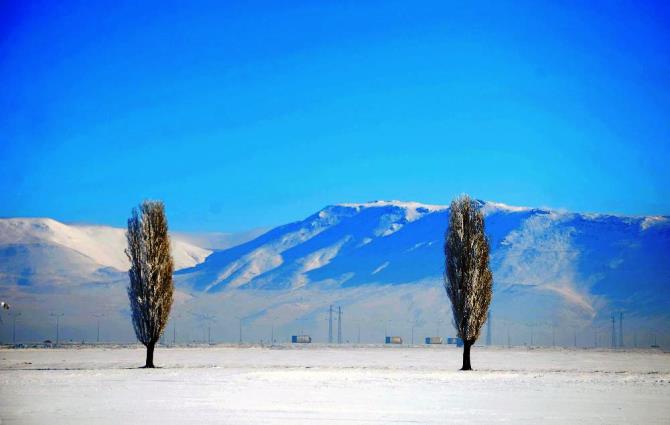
[(103, 245), (381, 261), (407, 236)]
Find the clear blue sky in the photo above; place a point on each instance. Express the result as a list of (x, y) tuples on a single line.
[(256, 114)]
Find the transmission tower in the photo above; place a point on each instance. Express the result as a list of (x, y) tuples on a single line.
[(97, 317), (57, 316), (330, 325), (553, 335), (14, 315), (339, 325)]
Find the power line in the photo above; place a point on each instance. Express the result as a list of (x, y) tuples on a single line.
[(207, 318)]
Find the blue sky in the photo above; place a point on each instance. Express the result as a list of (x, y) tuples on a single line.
[(251, 114)]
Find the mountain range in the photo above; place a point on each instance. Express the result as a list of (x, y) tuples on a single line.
[(382, 261)]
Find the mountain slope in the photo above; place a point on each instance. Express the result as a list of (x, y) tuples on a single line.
[(381, 261), (580, 260), (42, 250)]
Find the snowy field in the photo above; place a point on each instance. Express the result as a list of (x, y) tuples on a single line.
[(320, 384)]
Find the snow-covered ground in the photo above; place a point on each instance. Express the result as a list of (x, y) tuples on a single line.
[(320, 384)]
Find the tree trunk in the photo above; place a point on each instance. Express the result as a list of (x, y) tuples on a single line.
[(150, 355), (466, 355)]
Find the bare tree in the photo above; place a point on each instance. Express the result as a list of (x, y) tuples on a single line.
[(151, 289), (467, 277)]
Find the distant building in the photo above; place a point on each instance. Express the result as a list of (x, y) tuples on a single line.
[(457, 341)]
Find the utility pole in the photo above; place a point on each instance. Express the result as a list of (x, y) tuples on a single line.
[(488, 328), (509, 342), (209, 319), (14, 316), (240, 319), (575, 329), (553, 335), (339, 325), (613, 331), (330, 324), (174, 329), (621, 329), (302, 322), (57, 316), (98, 316)]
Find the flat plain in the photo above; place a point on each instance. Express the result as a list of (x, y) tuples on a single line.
[(333, 384)]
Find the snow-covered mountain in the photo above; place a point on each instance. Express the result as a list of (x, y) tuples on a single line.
[(584, 260), (36, 251), (382, 261), (549, 266)]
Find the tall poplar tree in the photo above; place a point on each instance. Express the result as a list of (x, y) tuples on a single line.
[(467, 277), (151, 288)]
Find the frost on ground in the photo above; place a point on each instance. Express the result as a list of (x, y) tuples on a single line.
[(320, 384)]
